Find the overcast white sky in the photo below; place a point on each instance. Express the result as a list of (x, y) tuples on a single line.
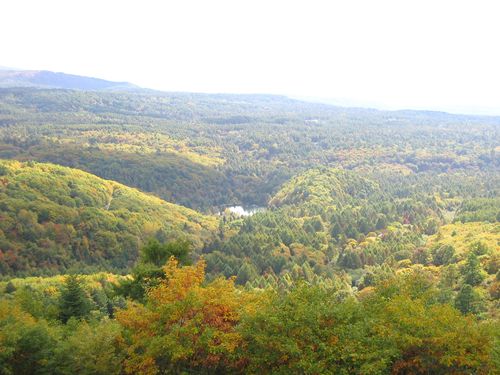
[(435, 54)]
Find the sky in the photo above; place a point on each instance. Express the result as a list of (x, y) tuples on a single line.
[(420, 54)]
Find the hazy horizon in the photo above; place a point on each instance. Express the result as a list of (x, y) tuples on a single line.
[(388, 55)]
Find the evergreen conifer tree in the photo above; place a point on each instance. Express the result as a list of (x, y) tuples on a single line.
[(73, 301)]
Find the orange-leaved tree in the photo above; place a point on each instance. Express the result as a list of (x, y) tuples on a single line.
[(185, 325)]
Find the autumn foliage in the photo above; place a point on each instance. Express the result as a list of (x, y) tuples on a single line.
[(399, 327), (185, 324)]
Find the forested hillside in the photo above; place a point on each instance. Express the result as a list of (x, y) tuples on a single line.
[(53, 218), (333, 226), (209, 151)]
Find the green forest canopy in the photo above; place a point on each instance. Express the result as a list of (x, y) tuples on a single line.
[(377, 251)]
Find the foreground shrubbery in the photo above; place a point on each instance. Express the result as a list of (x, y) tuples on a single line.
[(189, 325)]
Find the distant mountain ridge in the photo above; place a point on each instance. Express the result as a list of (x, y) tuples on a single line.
[(44, 79), (48, 79)]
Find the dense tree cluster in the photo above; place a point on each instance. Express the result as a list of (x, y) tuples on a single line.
[(479, 209), (188, 325), (330, 219)]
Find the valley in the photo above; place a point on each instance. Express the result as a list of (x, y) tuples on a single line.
[(371, 237)]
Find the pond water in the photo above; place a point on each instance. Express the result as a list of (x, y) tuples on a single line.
[(245, 211)]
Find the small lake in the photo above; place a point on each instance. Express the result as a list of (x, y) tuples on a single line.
[(245, 211)]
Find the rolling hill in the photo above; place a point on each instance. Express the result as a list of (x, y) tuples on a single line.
[(323, 186), (54, 217)]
